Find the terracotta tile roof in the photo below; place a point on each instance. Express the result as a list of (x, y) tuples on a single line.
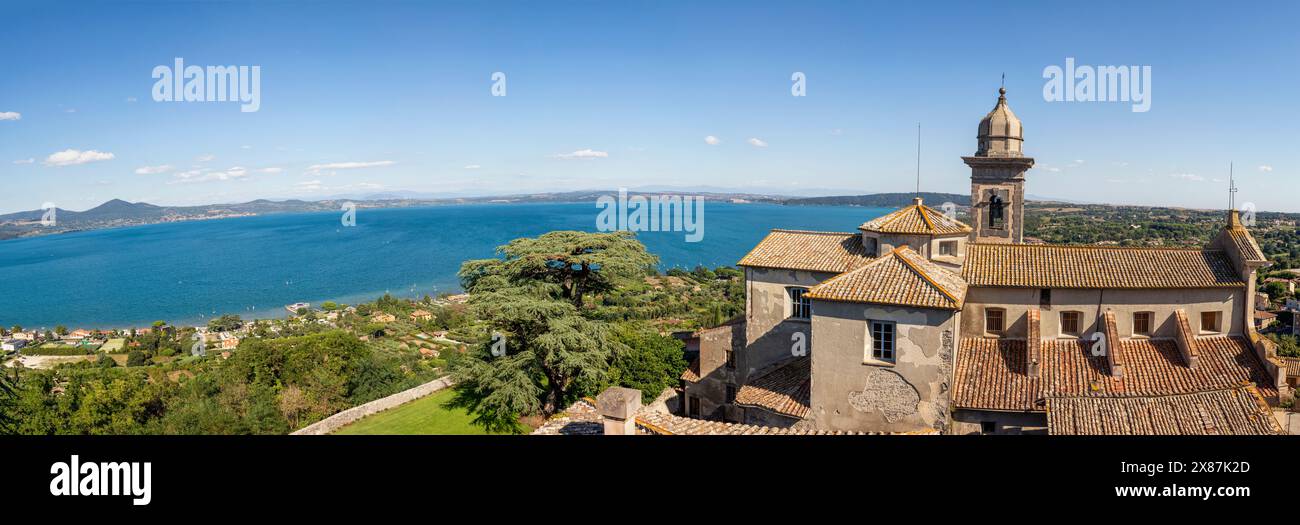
[(901, 277), (1292, 366), (659, 423), (832, 252), (991, 374), (916, 219), (784, 389), (1057, 266), (1246, 244), (692, 372), (1234, 411)]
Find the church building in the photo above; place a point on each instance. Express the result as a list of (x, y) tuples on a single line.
[(919, 323)]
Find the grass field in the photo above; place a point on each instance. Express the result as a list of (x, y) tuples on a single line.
[(427, 415)]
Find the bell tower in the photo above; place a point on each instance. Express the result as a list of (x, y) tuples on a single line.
[(997, 189)]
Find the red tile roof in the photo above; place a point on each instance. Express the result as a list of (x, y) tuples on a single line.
[(1234, 411), (692, 372), (784, 390), (1057, 266), (831, 252), (901, 277), (916, 219), (991, 374)]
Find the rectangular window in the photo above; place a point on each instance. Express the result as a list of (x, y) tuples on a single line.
[(693, 407), (800, 306), (988, 427), (882, 340), (994, 320), (1210, 322), (1070, 323), (731, 357), (1045, 298), (1142, 323), (948, 248), (731, 394)]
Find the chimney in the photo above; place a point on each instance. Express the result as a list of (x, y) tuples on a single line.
[(1185, 338), (1034, 340), (618, 407), (1113, 357)]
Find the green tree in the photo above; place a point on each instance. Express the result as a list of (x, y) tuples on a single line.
[(136, 358), (226, 323), (533, 299), (651, 363), (61, 330), (329, 306), (573, 263)]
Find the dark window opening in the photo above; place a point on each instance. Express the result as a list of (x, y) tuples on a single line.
[(997, 213), (1045, 298), (988, 427), (731, 394), (882, 340)]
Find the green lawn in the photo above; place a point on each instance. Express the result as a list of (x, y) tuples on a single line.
[(426, 415)]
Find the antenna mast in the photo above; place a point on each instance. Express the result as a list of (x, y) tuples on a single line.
[(918, 159), (1232, 189)]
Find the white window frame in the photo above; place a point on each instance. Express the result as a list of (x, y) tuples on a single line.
[(798, 304)]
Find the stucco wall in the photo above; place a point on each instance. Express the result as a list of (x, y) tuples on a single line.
[(769, 330), (850, 392), (1091, 303)]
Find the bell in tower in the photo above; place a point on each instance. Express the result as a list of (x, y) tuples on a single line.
[(997, 177)]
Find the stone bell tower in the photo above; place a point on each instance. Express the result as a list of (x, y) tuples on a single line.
[(997, 179)]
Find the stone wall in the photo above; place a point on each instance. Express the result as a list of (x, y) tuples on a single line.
[(341, 419)]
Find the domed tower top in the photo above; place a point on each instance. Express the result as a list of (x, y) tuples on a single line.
[(1000, 132)]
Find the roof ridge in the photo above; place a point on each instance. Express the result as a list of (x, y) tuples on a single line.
[(783, 230), (1099, 247), (922, 274), (925, 216)]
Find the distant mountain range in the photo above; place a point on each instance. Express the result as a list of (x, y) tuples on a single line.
[(117, 212)]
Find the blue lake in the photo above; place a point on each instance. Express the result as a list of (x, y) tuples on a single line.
[(190, 271)]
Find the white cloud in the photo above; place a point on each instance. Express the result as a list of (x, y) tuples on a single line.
[(11, 115), (132, 100), (1265, 168), (1192, 177), (206, 175), (473, 167), (24, 161), (245, 146), (271, 171), (153, 170), (349, 165), (712, 140), (756, 142), (205, 158), (584, 154), (72, 157)]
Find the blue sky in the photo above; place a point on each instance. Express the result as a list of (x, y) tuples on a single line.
[(372, 97)]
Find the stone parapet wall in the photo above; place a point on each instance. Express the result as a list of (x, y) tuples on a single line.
[(351, 415)]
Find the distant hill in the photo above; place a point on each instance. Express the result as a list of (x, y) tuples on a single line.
[(883, 200)]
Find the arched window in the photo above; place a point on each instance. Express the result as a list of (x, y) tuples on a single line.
[(997, 213)]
